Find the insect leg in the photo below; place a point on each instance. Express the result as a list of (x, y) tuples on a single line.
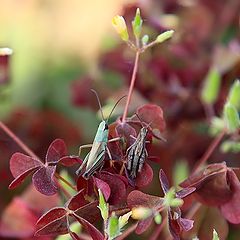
[(83, 146), (78, 172), (95, 166), (109, 154), (114, 139)]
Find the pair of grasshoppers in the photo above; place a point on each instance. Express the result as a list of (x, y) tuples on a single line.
[(94, 160)]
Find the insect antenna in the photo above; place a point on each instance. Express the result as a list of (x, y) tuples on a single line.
[(99, 103), (115, 106), (146, 125)]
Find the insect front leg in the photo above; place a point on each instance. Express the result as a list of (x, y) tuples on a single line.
[(82, 147), (78, 172), (98, 162), (114, 139)]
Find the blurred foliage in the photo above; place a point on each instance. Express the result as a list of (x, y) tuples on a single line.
[(63, 48)]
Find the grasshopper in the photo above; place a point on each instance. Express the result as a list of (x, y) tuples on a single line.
[(94, 160), (137, 153)]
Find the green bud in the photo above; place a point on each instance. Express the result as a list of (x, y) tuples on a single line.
[(158, 218), (176, 202), (119, 24), (234, 95), (123, 220), (103, 206), (211, 87), (164, 36), (113, 227), (230, 146), (141, 213), (231, 117), (145, 39), (215, 235), (217, 125), (137, 24)]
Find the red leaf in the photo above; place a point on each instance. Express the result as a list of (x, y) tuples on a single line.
[(43, 180), (143, 225), (77, 201), (137, 198), (185, 192), (164, 181), (212, 179), (126, 131), (94, 232), (231, 209), (151, 113), (53, 222), (20, 178), (20, 163), (82, 183), (145, 177), (56, 150), (89, 212), (117, 186), (104, 187), (69, 160)]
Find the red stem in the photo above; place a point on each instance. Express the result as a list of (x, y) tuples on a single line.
[(159, 229), (17, 140), (127, 232), (131, 86), (65, 181), (209, 151)]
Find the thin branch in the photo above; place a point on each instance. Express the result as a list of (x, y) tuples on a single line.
[(65, 181), (135, 68), (17, 140), (127, 232), (26, 149), (210, 150), (159, 229)]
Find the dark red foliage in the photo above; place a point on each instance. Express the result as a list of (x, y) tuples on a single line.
[(143, 179), (177, 224), (223, 182), (104, 187), (43, 179), (117, 185), (56, 221)]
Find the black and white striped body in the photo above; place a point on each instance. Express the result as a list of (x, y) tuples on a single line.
[(137, 154)]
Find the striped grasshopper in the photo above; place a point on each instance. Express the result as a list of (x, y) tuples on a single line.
[(94, 160), (137, 153)]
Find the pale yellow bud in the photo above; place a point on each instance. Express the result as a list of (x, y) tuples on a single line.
[(140, 213), (119, 24)]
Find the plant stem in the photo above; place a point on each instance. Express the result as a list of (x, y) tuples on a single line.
[(22, 145), (127, 232), (135, 68), (209, 151), (17, 140), (65, 181), (159, 229), (66, 193)]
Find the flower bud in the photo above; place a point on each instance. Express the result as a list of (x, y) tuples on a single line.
[(119, 24), (164, 36), (141, 213)]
